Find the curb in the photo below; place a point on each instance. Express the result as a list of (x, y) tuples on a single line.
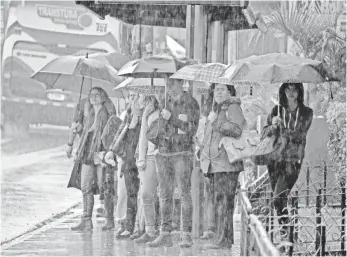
[(38, 227)]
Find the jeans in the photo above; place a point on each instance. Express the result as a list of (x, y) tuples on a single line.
[(209, 221), (90, 174), (140, 219), (149, 184), (132, 184), (224, 186), (169, 168), (283, 176)]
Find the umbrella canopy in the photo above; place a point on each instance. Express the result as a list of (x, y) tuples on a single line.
[(207, 72), (143, 85), (140, 85), (275, 68), (144, 67), (69, 72), (116, 60)]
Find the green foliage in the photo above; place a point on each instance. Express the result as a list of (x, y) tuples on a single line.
[(336, 116)]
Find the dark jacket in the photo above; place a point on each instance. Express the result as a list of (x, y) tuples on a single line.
[(129, 142), (295, 134), (229, 123), (170, 137)]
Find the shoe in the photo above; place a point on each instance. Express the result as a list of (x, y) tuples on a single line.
[(145, 238), (86, 220), (136, 235), (162, 240), (217, 246), (186, 241), (126, 234), (85, 224), (207, 235), (108, 225), (100, 213), (120, 231)]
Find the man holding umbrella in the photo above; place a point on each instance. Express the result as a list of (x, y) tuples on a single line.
[(178, 123)]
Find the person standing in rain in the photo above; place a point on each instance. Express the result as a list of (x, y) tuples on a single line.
[(81, 114), (290, 120), (147, 168), (179, 119), (124, 145), (91, 144), (225, 120)]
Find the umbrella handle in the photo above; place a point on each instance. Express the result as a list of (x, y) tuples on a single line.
[(82, 84), (81, 89)]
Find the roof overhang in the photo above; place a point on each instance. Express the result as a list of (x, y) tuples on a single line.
[(166, 13)]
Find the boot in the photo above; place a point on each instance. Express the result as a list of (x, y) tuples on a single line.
[(86, 221), (136, 235), (162, 240), (207, 235), (145, 238), (186, 241), (109, 206)]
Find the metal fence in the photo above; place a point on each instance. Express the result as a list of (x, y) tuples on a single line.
[(317, 214), (254, 239)]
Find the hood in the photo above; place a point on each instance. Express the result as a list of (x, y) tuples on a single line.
[(226, 103)]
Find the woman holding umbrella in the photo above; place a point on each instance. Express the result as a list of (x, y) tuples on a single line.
[(91, 144), (290, 120), (225, 120)]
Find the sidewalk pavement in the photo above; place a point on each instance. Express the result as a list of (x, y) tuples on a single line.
[(56, 239)]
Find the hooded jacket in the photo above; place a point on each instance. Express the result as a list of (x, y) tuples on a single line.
[(294, 127), (229, 123)]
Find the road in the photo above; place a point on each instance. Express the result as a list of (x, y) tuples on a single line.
[(33, 187)]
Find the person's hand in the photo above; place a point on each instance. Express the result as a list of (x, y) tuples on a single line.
[(141, 166), (78, 127), (109, 158), (166, 114), (69, 151), (212, 116), (276, 121)]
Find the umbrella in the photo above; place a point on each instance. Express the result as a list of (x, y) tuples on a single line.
[(275, 68), (144, 85), (140, 85), (207, 72), (116, 60), (78, 74), (146, 67)]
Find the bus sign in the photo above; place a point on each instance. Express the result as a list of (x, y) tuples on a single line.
[(73, 18)]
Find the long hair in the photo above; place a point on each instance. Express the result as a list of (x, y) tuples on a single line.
[(283, 101), (151, 98), (102, 92), (209, 100)]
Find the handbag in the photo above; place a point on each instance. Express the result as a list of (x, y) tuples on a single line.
[(242, 147), (269, 150)]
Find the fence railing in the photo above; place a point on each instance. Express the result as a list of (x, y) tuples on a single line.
[(254, 239), (317, 215)]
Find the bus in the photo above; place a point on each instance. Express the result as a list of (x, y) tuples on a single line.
[(36, 32)]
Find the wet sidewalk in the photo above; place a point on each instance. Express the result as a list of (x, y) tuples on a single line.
[(56, 239)]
